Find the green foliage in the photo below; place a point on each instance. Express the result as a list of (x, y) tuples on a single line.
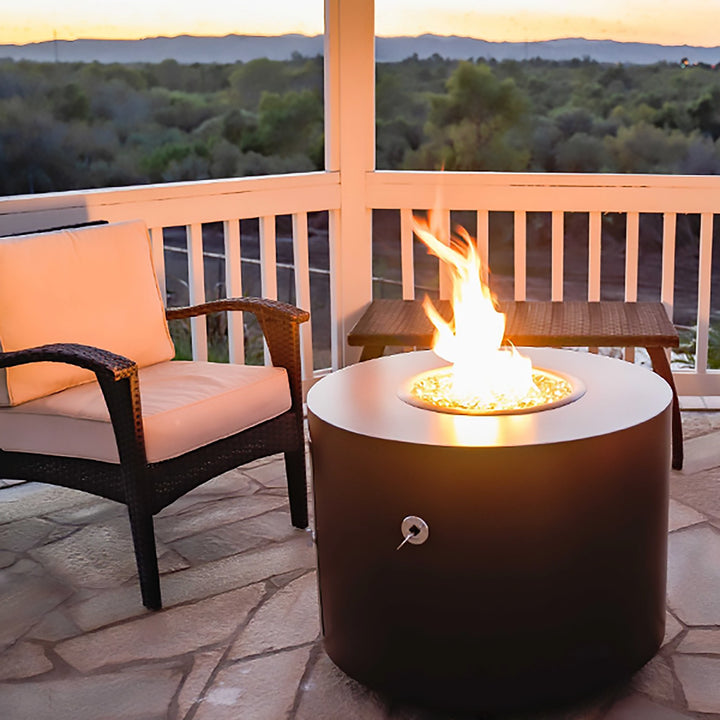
[(70, 102), (289, 124), (469, 126), (686, 352), (69, 126)]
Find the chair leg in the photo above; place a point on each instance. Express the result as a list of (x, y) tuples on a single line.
[(143, 533), (297, 487)]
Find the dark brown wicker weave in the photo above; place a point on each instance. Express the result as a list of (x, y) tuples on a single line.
[(145, 487)]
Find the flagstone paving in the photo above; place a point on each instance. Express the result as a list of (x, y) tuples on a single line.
[(239, 636)]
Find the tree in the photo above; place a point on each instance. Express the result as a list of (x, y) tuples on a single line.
[(581, 153), (290, 124), (469, 127), (646, 148)]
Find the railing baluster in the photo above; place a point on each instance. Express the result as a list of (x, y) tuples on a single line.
[(482, 237), (233, 288), (337, 339), (557, 255), (520, 254), (301, 261), (667, 290), (632, 259), (407, 262), (632, 256), (594, 240), (268, 264), (704, 291), (157, 243), (196, 286)]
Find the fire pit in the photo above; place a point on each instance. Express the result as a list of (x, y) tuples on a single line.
[(531, 566)]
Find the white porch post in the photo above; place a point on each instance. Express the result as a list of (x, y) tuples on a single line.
[(349, 149)]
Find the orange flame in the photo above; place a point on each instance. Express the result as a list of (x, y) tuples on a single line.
[(482, 369)]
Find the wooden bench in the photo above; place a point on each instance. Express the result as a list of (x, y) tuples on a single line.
[(538, 324)]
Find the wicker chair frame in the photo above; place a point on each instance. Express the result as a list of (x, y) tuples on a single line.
[(145, 487)]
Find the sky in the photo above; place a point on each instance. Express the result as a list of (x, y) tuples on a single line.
[(668, 22)]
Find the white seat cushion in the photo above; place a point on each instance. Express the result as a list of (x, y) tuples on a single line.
[(185, 405), (93, 285)]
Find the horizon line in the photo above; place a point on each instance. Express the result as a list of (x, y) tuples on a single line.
[(384, 37)]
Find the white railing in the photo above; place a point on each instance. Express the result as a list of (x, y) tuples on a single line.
[(231, 201), (559, 195)]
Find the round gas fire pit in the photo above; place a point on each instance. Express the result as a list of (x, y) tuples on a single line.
[(534, 564)]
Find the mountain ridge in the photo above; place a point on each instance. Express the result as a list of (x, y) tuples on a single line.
[(233, 48)]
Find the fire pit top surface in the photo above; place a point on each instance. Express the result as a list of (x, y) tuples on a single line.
[(363, 399)]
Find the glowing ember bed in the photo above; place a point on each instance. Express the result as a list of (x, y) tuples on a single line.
[(534, 567)]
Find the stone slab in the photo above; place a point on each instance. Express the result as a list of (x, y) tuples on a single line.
[(701, 453), (269, 475), (681, 516), (24, 600), (23, 660), (700, 679), (700, 491), (701, 641), (212, 514), (24, 534), (694, 575), (672, 628), (97, 556), (54, 626), (216, 543), (137, 694), (637, 707), (656, 680), (290, 617), (163, 634), (198, 582), (328, 694), (36, 499), (204, 663), (262, 689)]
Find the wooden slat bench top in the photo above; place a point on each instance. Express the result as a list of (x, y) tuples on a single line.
[(605, 323), (530, 323)]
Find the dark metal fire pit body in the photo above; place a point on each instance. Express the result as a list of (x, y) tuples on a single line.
[(542, 576)]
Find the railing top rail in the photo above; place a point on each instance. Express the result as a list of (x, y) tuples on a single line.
[(160, 191), (175, 203), (448, 178), (543, 192)]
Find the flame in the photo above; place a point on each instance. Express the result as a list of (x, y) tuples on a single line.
[(483, 372)]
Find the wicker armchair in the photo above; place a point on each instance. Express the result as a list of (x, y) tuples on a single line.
[(147, 467)]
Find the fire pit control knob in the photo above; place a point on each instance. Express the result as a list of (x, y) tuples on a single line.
[(415, 531)]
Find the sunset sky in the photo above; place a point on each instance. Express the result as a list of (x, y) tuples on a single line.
[(669, 22)]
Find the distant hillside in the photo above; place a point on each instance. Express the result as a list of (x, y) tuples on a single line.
[(231, 48)]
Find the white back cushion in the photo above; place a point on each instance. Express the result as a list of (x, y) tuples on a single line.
[(94, 286)]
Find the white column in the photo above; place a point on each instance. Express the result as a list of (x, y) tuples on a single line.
[(350, 149)]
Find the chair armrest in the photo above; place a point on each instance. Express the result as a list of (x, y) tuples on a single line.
[(118, 380), (102, 362), (258, 306), (280, 324)]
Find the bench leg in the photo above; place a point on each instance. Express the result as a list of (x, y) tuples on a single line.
[(662, 367), (370, 352)]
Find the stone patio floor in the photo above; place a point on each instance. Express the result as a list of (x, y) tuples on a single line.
[(239, 636)]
